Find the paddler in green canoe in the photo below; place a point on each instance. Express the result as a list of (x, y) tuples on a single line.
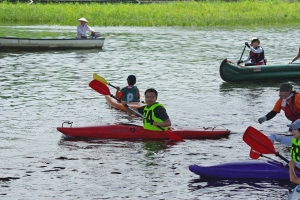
[(154, 112), (296, 57), (256, 55)]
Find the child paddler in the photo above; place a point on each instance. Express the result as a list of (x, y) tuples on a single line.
[(155, 113), (295, 151), (256, 54), (130, 93), (295, 145)]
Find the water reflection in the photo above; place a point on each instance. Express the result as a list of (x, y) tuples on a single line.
[(201, 183), (241, 188), (151, 147), (152, 150), (254, 85), (42, 89), (86, 53), (154, 146)]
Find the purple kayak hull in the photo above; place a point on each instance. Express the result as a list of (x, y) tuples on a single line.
[(243, 170)]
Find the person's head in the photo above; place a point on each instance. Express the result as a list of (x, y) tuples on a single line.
[(151, 96), (295, 126), (83, 21), (131, 80), (284, 90), (255, 42)]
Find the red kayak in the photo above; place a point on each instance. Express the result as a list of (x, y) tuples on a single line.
[(130, 131)]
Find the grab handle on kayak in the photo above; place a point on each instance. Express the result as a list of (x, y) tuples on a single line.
[(67, 122), (206, 128), (212, 128)]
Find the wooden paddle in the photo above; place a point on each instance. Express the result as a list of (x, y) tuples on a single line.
[(104, 90), (102, 80), (261, 143)]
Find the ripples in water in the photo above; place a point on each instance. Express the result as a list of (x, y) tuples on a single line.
[(40, 90)]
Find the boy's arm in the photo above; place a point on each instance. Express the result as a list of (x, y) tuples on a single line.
[(293, 176)]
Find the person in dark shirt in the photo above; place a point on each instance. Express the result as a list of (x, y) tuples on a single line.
[(154, 112)]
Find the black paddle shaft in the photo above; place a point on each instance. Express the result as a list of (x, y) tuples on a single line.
[(242, 54)]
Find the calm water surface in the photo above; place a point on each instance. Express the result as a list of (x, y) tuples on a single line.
[(39, 90)]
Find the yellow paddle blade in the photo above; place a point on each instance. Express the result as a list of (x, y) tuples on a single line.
[(99, 78)]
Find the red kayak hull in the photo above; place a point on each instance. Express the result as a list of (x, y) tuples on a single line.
[(129, 131)]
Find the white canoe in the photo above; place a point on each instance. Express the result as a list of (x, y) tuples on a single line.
[(12, 43)]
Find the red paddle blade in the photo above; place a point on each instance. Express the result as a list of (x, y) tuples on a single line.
[(258, 141), (254, 154), (174, 137), (99, 87)]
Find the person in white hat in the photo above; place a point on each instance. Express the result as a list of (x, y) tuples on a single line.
[(82, 28), (156, 116), (256, 54)]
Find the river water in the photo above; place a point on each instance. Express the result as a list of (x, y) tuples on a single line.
[(39, 90)]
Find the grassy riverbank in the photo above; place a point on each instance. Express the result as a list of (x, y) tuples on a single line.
[(197, 14)]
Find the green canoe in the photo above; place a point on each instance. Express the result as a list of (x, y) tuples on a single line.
[(230, 71)]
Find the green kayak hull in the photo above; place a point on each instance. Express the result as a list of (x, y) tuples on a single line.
[(232, 72)]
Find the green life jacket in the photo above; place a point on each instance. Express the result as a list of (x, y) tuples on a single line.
[(150, 118), (295, 150), (130, 95)]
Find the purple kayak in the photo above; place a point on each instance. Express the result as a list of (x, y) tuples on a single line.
[(251, 169)]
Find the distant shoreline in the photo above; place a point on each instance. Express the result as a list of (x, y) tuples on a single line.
[(183, 14)]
